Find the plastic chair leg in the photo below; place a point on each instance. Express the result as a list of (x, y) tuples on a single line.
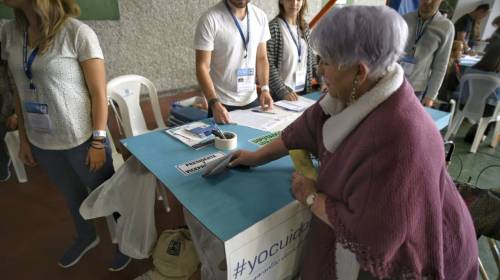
[(110, 221), (496, 134), (483, 123), (12, 142), (455, 124), (484, 275), (162, 194)]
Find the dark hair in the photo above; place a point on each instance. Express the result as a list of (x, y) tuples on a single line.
[(484, 7), (490, 61), (300, 17)]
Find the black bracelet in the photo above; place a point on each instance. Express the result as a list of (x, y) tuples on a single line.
[(100, 140), (212, 101), (97, 148)]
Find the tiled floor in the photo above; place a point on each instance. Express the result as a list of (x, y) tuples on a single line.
[(35, 227), (483, 170)]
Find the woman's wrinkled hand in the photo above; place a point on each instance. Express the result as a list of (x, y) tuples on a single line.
[(245, 158), (302, 187)]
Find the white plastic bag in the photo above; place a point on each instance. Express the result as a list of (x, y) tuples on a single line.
[(131, 193)]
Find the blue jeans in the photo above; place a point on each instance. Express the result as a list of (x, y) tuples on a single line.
[(69, 173)]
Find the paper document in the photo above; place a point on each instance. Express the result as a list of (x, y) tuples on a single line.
[(251, 119), (183, 134), (297, 106)]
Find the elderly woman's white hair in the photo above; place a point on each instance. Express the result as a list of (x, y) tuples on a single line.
[(374, 35)]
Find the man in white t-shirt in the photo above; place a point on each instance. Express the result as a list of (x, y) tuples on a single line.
[(230, 43)]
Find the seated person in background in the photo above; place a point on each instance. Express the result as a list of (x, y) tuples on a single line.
[(453, 73), (383, 204), (427, 49), (494, 40), (292, 63), (230, 42), (466, 27), (488, 65), (8, 120)]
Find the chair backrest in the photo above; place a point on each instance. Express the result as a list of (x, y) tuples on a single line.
[(480, 87), (125, 91)]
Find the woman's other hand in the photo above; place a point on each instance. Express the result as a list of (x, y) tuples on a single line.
[(245, 158), (302, 187), (291, 96), (25, 153), (95, 158)]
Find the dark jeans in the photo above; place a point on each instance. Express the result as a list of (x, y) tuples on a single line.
[(229, 108), (71, 175)]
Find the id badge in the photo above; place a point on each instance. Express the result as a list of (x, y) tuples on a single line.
[(245, 80), (300, 80), (37, 117), (408, 63)]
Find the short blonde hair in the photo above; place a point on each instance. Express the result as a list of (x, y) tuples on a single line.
[(52, 14)]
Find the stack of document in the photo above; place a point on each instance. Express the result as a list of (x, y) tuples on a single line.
[(185, 135), (283, 113), (296, 106)]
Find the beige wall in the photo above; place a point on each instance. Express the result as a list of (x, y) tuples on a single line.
[(154, 38)]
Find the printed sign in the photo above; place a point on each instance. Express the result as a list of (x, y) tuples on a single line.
[(194, 166), (265, 139), (271, 248)]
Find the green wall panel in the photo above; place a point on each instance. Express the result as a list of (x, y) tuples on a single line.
[(90, 10)]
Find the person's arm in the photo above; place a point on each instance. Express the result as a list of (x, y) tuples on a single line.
[(461, 37), (203, 60), (278, 87), (439, 66), (269, 152), (24, 146), (266, 101), (95, 78)]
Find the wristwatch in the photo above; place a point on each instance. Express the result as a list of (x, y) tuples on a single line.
[(311, 198), (264, 88)]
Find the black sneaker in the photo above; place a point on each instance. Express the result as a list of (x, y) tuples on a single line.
[(5, 171)]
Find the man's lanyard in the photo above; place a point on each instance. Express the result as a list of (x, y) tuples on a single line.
[(421, 28), (247, 39), (296, 41), (28, 62)]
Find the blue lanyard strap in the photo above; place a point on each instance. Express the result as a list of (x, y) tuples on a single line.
[(296, 41), (247, 39), (421, 27), (28, 62)]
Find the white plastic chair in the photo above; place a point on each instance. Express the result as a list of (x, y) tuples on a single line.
[(480, 87), (125, 91), (12, 143)]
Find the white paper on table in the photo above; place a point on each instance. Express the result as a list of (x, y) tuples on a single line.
[(297, 106), (262, 121)]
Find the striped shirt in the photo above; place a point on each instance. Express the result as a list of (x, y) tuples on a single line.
[(275, 56)]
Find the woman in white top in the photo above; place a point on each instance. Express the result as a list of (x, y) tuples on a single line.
[(58, 69), (292, 63)]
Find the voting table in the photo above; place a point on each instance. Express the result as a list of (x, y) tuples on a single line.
[(251, 211)]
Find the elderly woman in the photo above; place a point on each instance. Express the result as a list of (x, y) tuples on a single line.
[(384, 205)]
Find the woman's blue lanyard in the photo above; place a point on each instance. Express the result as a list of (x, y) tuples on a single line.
[(296, 41), (245, 41), (28, 62)]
